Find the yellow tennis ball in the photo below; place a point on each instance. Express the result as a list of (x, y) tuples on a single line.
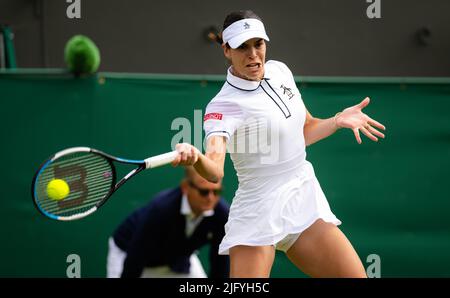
[(57, 189)]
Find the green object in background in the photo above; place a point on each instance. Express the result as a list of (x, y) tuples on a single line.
[(81, 55), (9, 51), (391, 196)]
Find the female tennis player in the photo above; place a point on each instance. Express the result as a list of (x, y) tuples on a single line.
[(279, 203)]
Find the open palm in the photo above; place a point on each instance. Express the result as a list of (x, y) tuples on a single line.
[(354, 119)]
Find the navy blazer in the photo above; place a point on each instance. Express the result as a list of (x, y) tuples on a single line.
[(154, 235)]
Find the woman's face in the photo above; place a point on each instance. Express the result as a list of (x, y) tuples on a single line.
[(248, 59)]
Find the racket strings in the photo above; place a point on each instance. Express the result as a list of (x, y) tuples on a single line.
[(89, 176)]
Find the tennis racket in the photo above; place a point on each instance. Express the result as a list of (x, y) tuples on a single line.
[(91, 179)]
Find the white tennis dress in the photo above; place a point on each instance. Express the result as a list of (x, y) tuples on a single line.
[(278, 193)]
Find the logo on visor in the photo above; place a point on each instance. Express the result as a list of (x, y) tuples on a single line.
[(246, 25)]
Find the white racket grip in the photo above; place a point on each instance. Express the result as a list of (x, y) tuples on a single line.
[(160, 160)]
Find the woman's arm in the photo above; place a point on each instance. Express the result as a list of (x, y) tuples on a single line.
[(316, 129), (209, 165)]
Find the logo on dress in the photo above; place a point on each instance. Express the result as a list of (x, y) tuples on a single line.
[(287, 91), (246, 25), (214, 116)]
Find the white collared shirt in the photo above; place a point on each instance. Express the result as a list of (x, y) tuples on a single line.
[(191, 221), (262, 120)]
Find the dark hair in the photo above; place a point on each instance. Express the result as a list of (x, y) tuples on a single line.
[(234, 17)]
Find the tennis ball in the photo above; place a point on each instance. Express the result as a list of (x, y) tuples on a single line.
[(81, 55), (57, 189)]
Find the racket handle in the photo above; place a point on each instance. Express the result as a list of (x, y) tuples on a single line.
[(160, 160)]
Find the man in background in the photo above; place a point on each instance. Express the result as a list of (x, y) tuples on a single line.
[(161, 238)]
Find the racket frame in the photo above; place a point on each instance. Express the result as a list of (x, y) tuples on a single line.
[(141, 165)]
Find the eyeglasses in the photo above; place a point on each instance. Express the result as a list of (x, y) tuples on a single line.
[(205, 191)]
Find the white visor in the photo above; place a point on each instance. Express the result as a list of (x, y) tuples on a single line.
[(243, 30)]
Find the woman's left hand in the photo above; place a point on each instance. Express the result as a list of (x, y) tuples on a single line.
[(356, 120)]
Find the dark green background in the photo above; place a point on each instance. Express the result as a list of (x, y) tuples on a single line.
[(393, 196)]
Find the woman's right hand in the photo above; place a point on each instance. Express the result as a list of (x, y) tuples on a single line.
[(187, 155)]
